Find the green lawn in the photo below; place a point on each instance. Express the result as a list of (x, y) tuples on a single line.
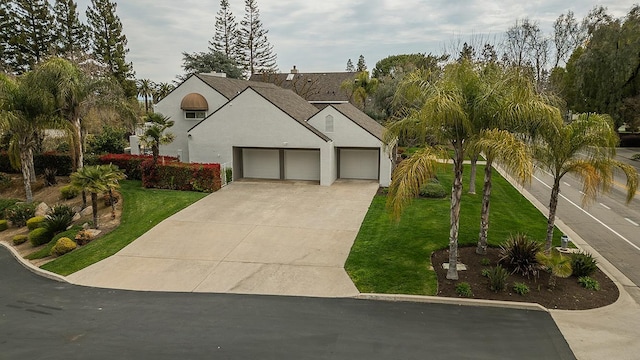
[(143, 209), (394, 257)]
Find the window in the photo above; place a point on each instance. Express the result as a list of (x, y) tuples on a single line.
[(195, 115), (328, 123)]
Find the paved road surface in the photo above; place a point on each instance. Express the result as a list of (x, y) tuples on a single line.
[(41, 318)]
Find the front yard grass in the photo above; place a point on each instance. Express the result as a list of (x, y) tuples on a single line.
[(142, 210), (395, 257)]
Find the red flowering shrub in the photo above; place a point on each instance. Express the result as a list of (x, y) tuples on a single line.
[(181, 176), (130, 164)]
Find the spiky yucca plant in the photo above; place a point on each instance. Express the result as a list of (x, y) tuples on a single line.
[(518, 254)]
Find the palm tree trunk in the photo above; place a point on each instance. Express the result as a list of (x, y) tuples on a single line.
[(78, 143), (484, 214), (26, 176), (94, 205), (31, 165), (456, 195), (472, 174), (553, 205)]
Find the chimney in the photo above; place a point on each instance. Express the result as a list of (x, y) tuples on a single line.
[(294, 70)]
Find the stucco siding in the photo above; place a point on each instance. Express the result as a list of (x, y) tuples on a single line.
[(170, 106)]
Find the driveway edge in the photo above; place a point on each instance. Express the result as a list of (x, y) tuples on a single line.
[(34, 269), (453, 301)]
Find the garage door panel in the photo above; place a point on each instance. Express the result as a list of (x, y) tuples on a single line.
[(359, 163), (302, 165), (261, 163)]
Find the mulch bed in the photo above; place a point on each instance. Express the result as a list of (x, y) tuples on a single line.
[(567, 295)]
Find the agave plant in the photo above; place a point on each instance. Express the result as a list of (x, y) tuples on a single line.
[(518, 254)]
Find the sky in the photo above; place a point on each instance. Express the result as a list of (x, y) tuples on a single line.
[(320, 36)]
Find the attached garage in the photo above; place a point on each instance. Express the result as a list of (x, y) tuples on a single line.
[(359, 163), (261, 163), (280, 164), (302, 165)]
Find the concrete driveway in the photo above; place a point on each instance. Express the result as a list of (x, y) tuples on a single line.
[(280, 238)]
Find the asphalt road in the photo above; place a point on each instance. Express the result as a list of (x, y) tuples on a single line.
[(609, 224), (45, 319)]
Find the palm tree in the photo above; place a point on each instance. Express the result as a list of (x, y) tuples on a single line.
[(585, 148), (96, 180), (155, 135), (361, 87), (161, 90), (557, 264), (24, 110), (145, 89)]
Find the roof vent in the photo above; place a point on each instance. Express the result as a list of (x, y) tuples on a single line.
[(294, 70)]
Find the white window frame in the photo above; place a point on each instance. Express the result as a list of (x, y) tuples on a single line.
[(203, 114)]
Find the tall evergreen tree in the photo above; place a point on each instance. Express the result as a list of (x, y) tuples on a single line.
[(257, 52), (225, 39), (7, 36), (362, 65), (110, 43), (34, 38), (71, 33)]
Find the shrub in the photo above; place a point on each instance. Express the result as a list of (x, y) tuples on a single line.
[(464, 289), (518, 254), (4, 204), (50, 177), (228, 175), (19, 239), (636, 157), (83, 237), (485, 262), (60, 162), (557, 264), (181, 176), (68, 192), (61, 209), (63, 246), (583, 264), (39, 236), (520, 288), (35, 222), (589, 283), (58, 222), (19, 213), (4, 225), (111, 140), (498, 278), (485, 272), (433, 190), (130, 164)]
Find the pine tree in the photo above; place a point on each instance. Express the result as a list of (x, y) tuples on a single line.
[(71, 33), (362, 65), (7, 37), (257, 52), (34, 38), (350, 67), (109, 42), (225, 39)]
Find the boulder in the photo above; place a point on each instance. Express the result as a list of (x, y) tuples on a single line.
[(42, 209), (87, 211)]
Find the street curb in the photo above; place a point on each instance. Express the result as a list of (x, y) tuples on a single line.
[(618, 278), (452, 301), (34, 269)]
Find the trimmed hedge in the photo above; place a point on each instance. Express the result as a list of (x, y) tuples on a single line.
[(63, 246), (4, 225), (130, 164), (35, 222), (53, 160), (68, 192), (20, 239), (39, 236), (181, 176)]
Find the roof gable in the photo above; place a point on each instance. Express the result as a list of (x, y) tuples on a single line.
[(228, 87), (361, 119)]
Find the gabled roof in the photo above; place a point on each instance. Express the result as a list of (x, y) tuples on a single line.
[(228, 87), (311, 86), (292, 104), (361, 119)]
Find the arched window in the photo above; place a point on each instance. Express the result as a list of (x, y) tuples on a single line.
[(195, 106), (328, 123)]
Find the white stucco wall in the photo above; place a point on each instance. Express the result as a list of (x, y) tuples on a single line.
[(170, 106), (346, 133), (249, 120)]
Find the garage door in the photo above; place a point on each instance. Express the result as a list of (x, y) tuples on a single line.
[(359, 163), (302, 165), (261, 163)]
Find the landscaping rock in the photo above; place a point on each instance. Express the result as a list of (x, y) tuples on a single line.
[(76, 217), (42, 209), (93, 232), (87, 211)]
